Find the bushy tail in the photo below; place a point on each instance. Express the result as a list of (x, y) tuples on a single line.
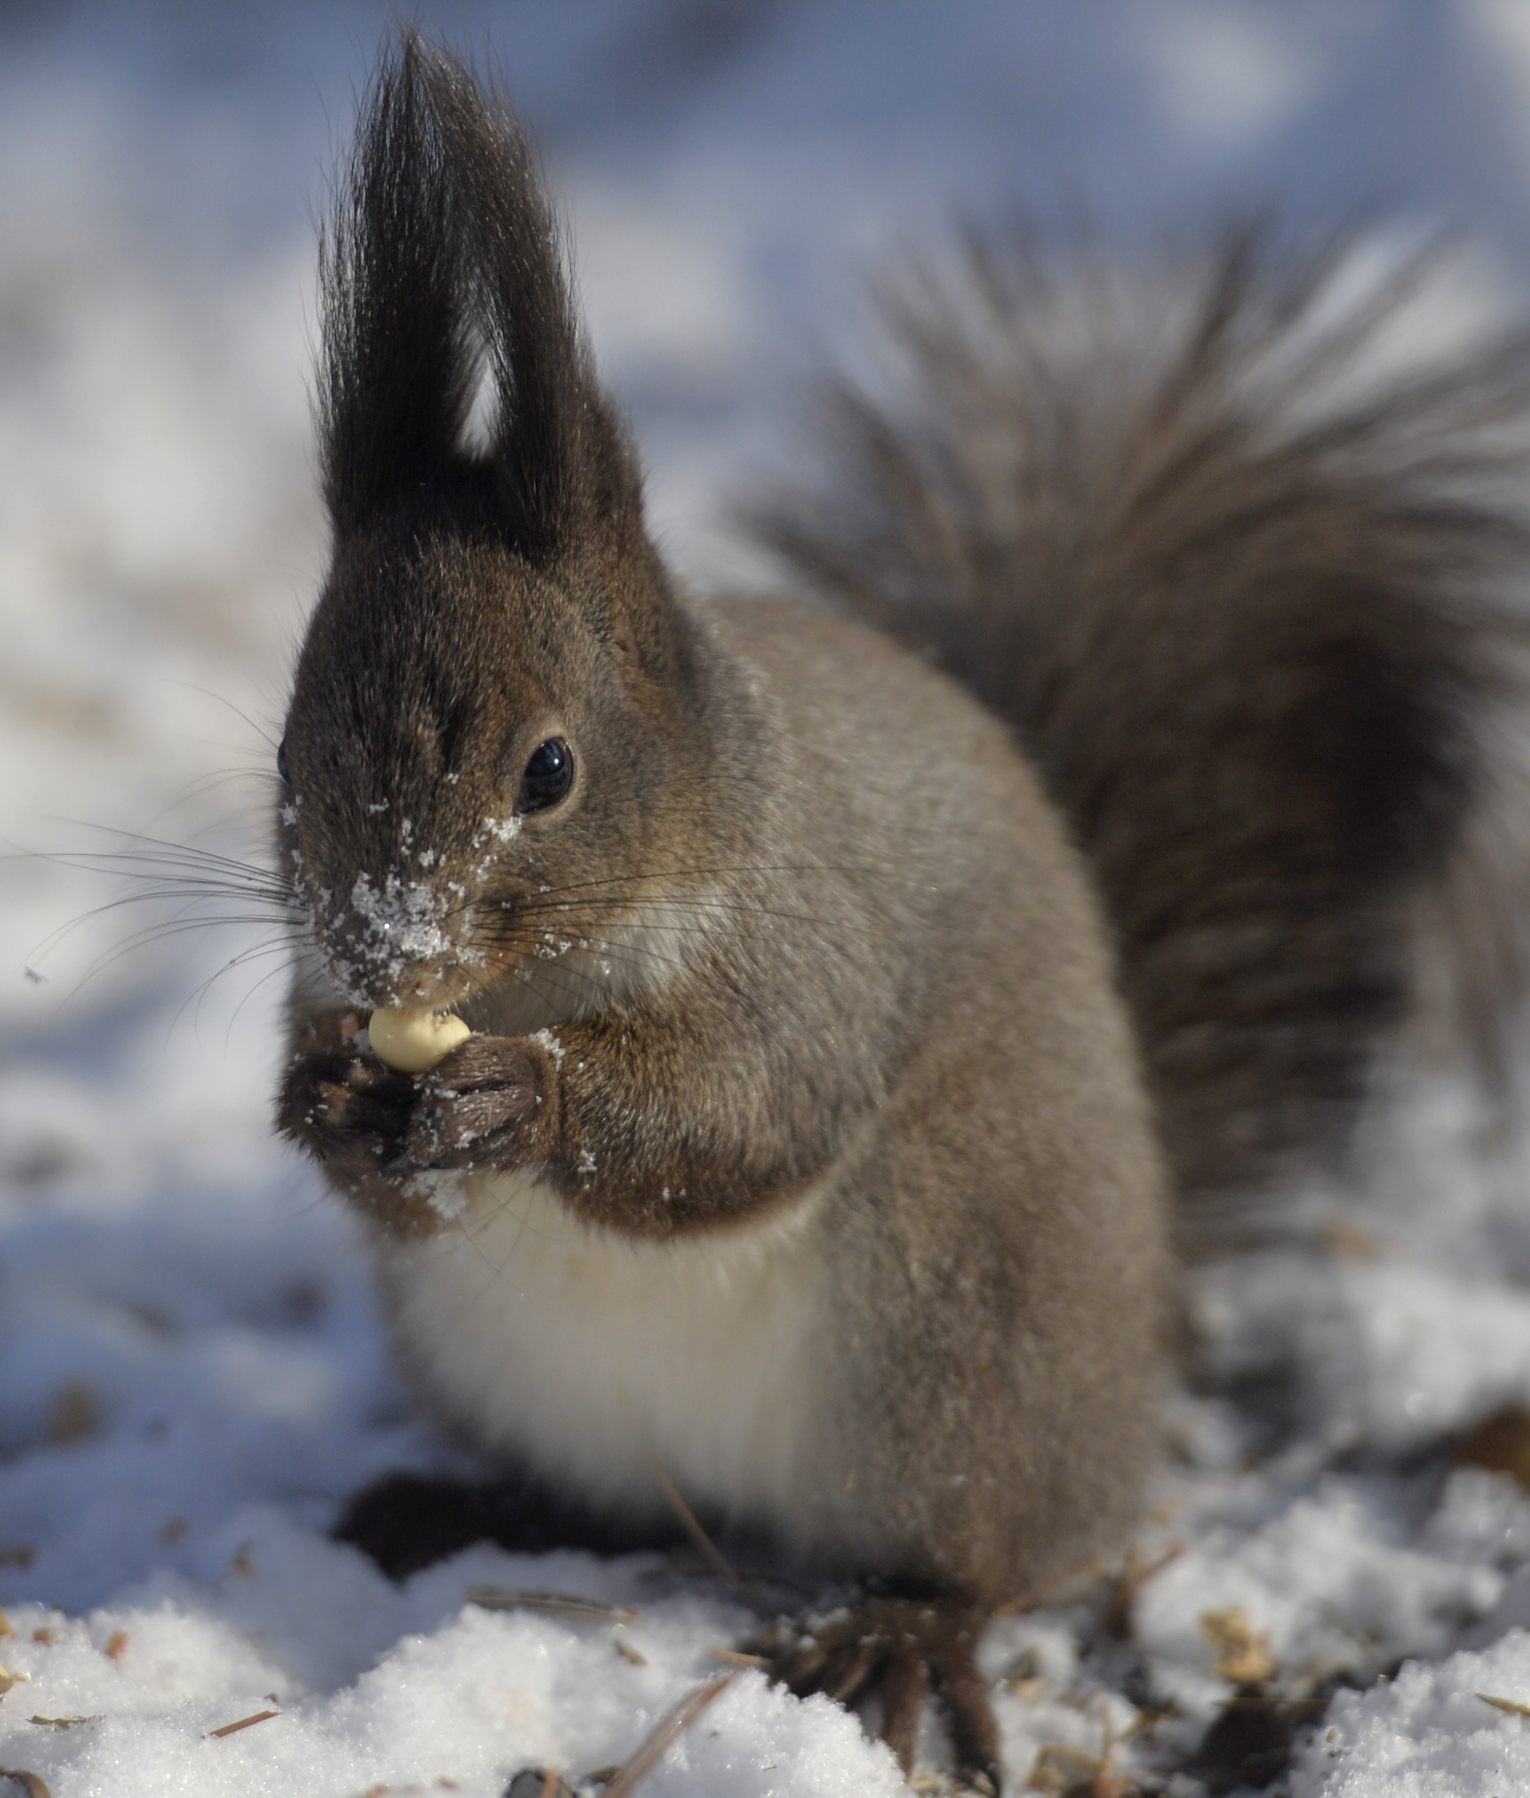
[(1246, 593)]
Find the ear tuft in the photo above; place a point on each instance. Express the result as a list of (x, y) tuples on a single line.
[(444, 262), (398, 367)]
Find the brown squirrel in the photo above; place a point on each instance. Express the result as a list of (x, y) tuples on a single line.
[(852, 1025)]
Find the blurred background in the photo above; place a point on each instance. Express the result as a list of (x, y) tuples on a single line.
[(729, 170)]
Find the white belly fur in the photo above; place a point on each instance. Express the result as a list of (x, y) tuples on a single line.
[(592, 1355)]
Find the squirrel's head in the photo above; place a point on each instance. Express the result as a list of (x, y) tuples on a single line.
[(493, 741)]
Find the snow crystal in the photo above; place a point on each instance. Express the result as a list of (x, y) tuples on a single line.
[(1428, 1733), (401, 926), (443, 1191)]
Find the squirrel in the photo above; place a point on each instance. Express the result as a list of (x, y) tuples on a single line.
[(865, 985)]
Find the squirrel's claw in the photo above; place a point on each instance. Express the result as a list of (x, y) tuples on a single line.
[(896, 1649)]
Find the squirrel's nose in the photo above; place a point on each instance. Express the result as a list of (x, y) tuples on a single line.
[(390, 942)]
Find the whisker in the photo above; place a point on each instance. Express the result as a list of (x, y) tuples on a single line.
[(221, 777), (196, 997), (704, 872), (165, 927), (734, 909), (827, 930), (471, 1234), (632, 955), (222, 699), (137, 836), (111, 958), (269, 975), (153, 864)]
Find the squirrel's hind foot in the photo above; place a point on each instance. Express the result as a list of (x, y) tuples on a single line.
[(896, 1650)]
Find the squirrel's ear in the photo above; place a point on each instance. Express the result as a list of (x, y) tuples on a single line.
[(565, 472), (398, 365), (444, 260)]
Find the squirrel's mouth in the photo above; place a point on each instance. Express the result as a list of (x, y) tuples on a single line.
[(442, 985)]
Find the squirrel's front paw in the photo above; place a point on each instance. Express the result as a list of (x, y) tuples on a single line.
[(480, 1107), (347, 1110)]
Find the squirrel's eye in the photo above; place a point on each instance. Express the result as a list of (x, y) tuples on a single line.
[(281, 763), (548, 777)]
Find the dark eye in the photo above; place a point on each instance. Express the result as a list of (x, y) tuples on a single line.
[(281, 763), (548, 777)]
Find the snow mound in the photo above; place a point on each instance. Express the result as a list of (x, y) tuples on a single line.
[(1429, 1733), (131, 1700)]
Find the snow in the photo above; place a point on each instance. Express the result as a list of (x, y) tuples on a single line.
[(1430, 1731), (422, 1691), (399, 922), (196, 1371)]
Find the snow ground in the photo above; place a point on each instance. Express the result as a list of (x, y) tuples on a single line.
[(194, 1367)]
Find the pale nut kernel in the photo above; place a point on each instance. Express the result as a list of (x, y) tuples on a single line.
[(414, 1041)]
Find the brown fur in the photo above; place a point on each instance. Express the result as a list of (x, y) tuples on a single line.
[(808, 940), (882, 965)]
